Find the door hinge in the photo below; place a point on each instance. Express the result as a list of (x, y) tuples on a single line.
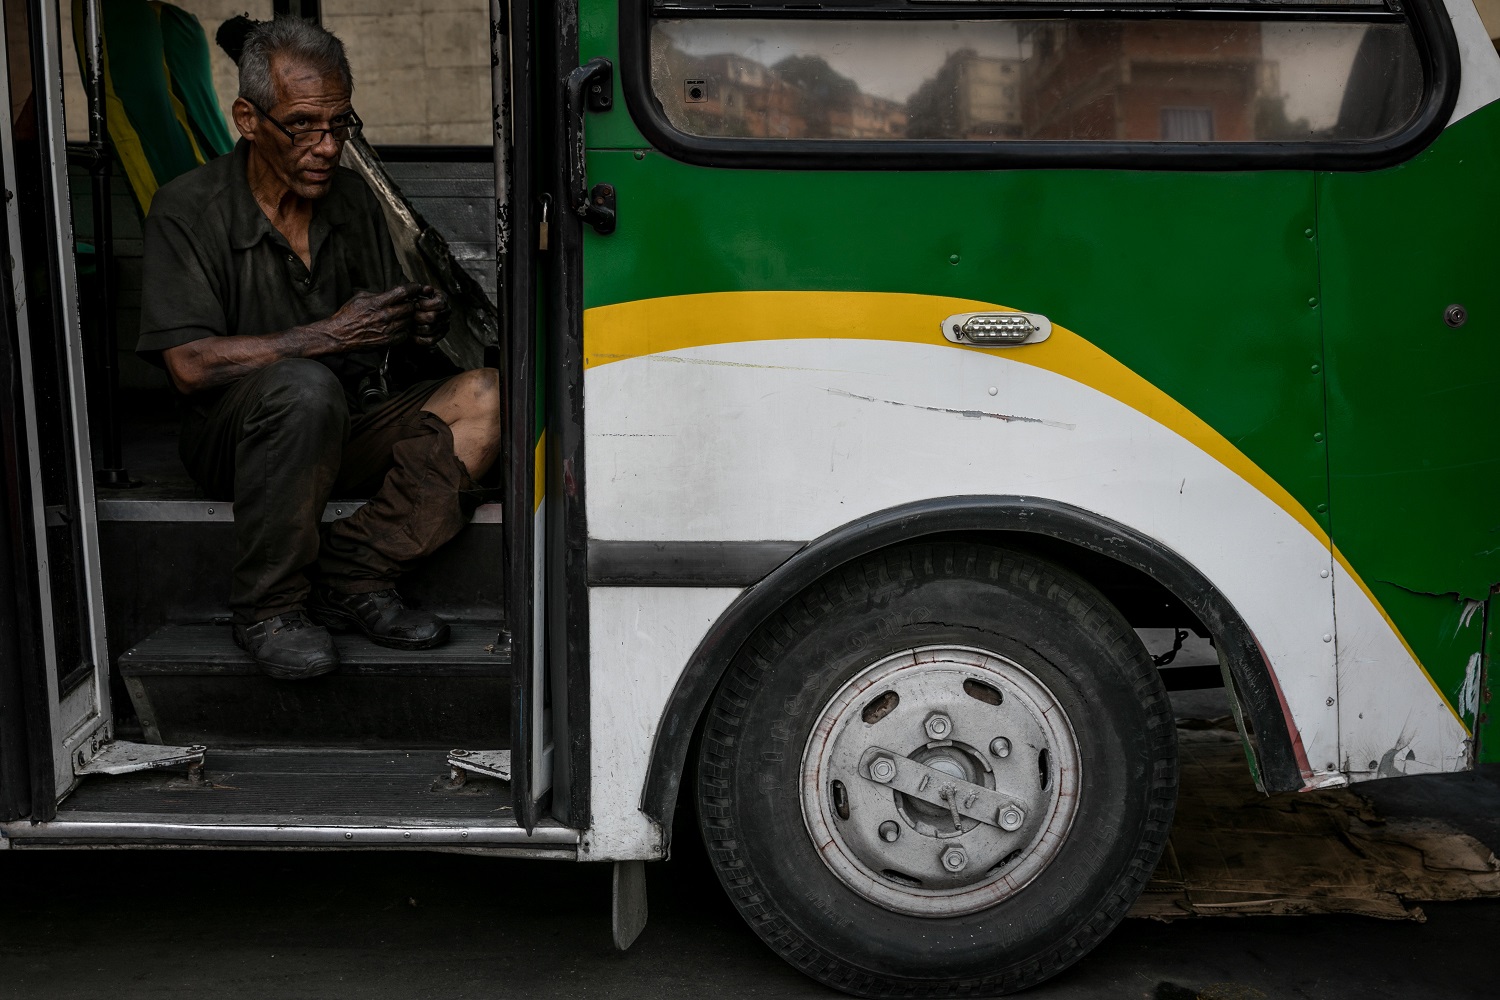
[(487, 763), (120, 757)]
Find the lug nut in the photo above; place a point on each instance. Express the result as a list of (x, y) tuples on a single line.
[(938, 726), (883, 769), (1011, 818), (954, 859), (889, 831), (1000, 746)]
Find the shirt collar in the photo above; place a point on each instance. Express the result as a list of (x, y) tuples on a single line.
[(248, 225)]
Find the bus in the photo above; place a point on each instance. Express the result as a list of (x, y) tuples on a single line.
[(873, 372)]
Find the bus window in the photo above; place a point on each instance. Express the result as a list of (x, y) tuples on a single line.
[(1229, 81)]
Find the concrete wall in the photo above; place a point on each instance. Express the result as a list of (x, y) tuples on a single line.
[(421, 67), (1489, 11)]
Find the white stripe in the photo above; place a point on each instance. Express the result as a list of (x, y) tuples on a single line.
[(790, 439)]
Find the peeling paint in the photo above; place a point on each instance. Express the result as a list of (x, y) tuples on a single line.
[(1455, 595), (976, 414), (1313, 781), (1471, 608), (1468, 695), (1388, 767)]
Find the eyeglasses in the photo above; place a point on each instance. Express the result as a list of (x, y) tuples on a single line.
[(342, 131)]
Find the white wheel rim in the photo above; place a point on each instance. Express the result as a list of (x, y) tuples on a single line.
[(1012, 764)]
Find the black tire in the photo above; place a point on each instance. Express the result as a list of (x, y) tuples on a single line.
[(1042, 617)]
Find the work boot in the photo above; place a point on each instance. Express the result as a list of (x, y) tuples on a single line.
[(382, 616), (288, 647)]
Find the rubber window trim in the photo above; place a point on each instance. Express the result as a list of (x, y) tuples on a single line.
[(1433, 33)]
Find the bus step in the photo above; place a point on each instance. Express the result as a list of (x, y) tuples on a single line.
[(191, 684)]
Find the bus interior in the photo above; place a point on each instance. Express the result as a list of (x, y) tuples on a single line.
[(391, 736), (373, 739)]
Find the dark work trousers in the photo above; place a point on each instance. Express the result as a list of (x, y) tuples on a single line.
[(281, 441)]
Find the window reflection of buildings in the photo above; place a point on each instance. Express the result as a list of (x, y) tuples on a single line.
[(969, 97), (799, 97), (1146, 81), (1100, 80)]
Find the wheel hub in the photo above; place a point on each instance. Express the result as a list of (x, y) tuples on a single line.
[(940, 780)]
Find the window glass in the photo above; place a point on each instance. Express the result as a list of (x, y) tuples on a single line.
[(421, 68), (1122, 80)]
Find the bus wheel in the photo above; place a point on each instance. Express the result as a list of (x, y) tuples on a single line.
[(948, 769)]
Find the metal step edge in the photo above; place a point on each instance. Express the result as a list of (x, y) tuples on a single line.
[(209, 649), (120, 509), (499, 669)]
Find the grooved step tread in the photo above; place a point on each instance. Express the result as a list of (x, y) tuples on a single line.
[(208, 649), (301, 786)]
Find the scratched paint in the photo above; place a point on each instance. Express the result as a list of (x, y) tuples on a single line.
[(1468, 695)]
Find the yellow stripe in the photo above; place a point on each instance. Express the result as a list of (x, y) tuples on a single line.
[(127, 143), (539, 482), (654, 326), (180, 113)]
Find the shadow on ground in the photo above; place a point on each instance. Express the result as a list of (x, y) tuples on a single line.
[(166, 924)]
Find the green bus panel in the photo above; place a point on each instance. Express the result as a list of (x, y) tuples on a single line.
[(1415, 476), (1205, 284)]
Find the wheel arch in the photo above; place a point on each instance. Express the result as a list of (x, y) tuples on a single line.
[(1046, 527)]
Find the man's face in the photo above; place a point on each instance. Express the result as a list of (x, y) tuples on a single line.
[(305, 99)]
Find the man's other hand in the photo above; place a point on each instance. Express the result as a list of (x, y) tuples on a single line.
[(375, 319), (432, 316)]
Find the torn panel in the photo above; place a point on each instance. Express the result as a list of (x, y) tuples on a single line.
[(1403, 703)]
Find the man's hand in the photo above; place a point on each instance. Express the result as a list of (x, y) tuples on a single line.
[(374, 319), (368, 321), (432, 316)]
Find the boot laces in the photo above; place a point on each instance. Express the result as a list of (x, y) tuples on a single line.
[(289, 623)]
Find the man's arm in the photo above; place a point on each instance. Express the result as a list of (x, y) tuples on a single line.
[(369, 320)]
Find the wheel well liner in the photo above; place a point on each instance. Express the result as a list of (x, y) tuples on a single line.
[(987, 515)]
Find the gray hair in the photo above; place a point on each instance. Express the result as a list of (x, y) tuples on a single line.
[(294, 38)]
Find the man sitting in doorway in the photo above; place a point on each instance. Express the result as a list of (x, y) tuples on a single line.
[(273, 298)]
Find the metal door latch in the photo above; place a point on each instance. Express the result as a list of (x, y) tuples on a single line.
[(590, 87)]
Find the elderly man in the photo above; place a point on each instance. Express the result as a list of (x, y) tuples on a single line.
[(273, 298)]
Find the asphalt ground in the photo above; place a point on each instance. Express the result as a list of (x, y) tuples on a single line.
[(168, 924), (199, 923)]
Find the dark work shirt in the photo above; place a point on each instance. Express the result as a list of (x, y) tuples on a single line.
[(214, 266)]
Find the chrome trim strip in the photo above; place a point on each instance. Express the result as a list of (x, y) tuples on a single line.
[(22, 833)]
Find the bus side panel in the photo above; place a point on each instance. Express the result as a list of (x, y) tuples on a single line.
[(640, 638), (1413, 471), (765, 361)]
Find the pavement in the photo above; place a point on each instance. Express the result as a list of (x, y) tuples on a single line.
[(168, 924)]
